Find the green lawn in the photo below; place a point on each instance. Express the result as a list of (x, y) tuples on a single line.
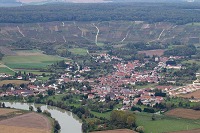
[(79, 51), (165, 124)]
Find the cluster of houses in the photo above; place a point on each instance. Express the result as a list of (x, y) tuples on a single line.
[(29, 90), (104, 57), (114, 85), (184, 89)]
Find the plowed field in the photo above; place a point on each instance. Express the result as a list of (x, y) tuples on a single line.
[(116, 131), (27, 123)]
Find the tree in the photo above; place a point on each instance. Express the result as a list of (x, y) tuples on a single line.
[(47, 113), (57, 125), (130, 121), (153, 117), (139, 102), (140, 129), (84, 127), (134, 108), (3, 105), (122, 119), (39, 110), (31, 108), (50, 92)]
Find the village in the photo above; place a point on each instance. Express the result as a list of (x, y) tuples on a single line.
[(117, 85)]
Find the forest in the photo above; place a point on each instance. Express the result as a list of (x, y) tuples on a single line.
[(180, 13)]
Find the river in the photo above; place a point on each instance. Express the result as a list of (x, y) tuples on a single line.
[(68, 121)]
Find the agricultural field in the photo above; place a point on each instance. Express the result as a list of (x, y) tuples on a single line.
[(190, 131), (195, 94), (16, 82), (32, 59), (193, 24), (192, 61), (26, 123), (100, 44), (158, 52), (79, 51), (6, 70), (4, 111), (28, 52), (116, 131), (184, 113), (165, 123)]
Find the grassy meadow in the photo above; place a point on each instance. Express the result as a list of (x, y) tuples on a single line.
[(30, 60), (165, 124), (6, 70), (78, 51)]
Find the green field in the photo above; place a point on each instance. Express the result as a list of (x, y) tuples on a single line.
[(30, 62), (79, 51), (43, 79), (193, 24), (165, 124), (37, 72), (191, 62), (104, 115), (6, 70), (100, 44)]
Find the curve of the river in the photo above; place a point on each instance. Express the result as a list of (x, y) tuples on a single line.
[(68, 121)]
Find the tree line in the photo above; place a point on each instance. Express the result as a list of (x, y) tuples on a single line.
[(180, 13)]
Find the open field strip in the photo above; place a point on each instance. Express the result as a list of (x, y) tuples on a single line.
[(16, 82)]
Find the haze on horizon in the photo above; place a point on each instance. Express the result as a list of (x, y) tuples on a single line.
[(90, 1)]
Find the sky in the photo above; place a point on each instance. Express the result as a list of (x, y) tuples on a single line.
[(92, 1)]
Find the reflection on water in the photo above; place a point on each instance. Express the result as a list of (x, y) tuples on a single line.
[(69, 123)]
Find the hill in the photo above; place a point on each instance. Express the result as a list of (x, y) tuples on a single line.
[(85, 33)]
